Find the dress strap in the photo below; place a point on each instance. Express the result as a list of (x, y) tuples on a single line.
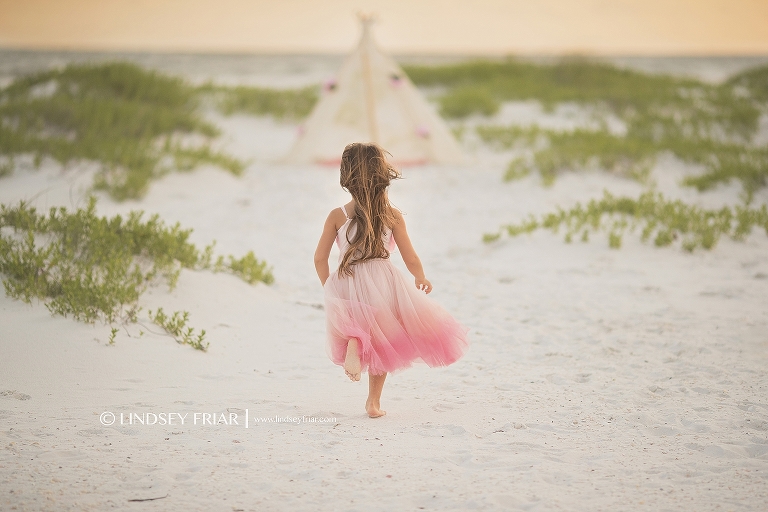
[(345, 212)]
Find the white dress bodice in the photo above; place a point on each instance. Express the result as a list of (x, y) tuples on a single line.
[(341, 237)]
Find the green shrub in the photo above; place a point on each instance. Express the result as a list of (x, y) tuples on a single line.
[(176, 326), (124, 117), (96, 268), (755, 81), (578, 149), (507, 137), (711, 125), (128, 119), (258, 101), (632, 155), (248, 268), (724, 162), (465, 101), (624, 92), (658, 218), (517, 169)]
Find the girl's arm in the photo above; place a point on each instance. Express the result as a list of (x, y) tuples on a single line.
[(325, 244), (408, 253)]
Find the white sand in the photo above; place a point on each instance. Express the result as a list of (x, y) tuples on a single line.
[(596, 379)]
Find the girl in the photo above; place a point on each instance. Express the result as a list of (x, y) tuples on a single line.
[(375, 320)]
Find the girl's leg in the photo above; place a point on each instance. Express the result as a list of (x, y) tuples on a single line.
[(373, 404), (352, 361)]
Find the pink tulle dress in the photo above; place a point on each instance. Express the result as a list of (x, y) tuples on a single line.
[(396, 324)]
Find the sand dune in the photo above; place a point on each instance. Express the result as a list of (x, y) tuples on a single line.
[(596, 379)]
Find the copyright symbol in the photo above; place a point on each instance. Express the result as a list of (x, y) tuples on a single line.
[(107, 418)]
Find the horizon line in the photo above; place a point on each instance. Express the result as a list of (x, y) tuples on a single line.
[(308, 53)]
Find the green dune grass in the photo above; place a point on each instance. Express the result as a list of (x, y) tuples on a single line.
[(632, 155), (137, 124), (288, 104), (95, 268), (706, 124), (658, 218)]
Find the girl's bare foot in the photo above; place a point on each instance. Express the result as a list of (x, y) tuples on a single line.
[(375, 386), (374, 409), (352, 361)]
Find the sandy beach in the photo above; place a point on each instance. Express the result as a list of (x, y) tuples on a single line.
[(596, 379)]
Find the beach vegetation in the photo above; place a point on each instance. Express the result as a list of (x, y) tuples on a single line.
[(93, 268), (632, 156), (559, 151), (468, 100), (657, 218), (248, 268), (136, 124), (289, 104), (176, 326), (712, 125), (623, 91)]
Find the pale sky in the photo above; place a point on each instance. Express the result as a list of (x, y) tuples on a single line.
[(655, 27)]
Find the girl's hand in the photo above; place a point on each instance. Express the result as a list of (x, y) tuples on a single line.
[(423, 284)]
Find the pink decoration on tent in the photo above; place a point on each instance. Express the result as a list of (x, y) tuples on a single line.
[(300, 130), (422, 131), (395, 80), (329, 85)]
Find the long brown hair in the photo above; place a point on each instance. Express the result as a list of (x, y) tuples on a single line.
[(365, 173)]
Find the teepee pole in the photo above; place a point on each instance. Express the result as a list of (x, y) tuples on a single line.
[(370, 101)]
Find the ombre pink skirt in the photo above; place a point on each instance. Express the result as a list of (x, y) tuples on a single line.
[(395, 323)]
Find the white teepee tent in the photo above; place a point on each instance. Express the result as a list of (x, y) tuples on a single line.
[(372, 100)]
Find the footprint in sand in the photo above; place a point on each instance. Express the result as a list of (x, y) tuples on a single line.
[(14, 394), (90, 432)]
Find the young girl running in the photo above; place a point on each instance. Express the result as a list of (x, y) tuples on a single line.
[(376, 321)]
